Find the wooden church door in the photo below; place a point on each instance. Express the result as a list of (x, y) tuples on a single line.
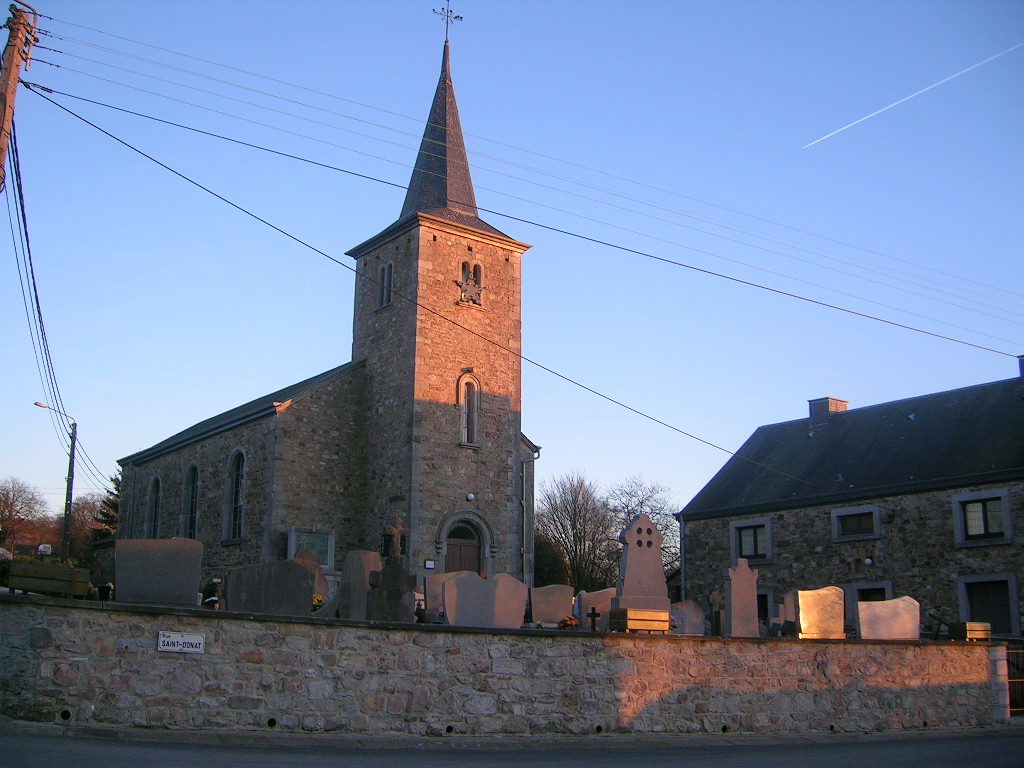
[(463, 550)]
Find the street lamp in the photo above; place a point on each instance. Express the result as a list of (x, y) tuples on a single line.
[(65, 542)]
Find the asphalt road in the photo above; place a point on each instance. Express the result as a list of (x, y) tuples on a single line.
[(985, 748)]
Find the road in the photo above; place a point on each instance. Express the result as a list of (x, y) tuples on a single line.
[(991, 748)]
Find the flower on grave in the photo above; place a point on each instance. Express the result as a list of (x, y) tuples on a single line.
[(318, 602), (569, 622)]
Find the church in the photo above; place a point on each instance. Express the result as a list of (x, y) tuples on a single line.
[(419, 436)]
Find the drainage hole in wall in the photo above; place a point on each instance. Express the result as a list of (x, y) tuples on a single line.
[(925, 723), (271, 722), (725, 729), (65, 714), (598, 729), (450, 729), (831, 727)]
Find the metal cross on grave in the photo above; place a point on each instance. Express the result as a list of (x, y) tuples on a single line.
[(396, 533), (593, 615)]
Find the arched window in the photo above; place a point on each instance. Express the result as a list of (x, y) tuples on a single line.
[(469, 410), (154, 508), (236, 506), (470, 283), (191, 503), (385, 277)]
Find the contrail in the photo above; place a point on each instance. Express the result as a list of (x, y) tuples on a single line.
[(917, 93)]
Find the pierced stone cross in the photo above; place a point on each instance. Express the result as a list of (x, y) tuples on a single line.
[(396, 533)]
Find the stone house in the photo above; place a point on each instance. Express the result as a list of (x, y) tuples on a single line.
[(422, 425), (921, 497)]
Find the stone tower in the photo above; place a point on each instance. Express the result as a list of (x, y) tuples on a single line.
[(437, 320)]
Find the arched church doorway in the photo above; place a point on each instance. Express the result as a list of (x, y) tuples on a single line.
[(462, 549)]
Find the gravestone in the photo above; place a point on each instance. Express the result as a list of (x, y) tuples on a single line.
[(495, 603), (641, 582), (820, 613), (898, 619), (284, 588), (551, 604), (391, 595), (741, 602), (433, 596), (601, 601), (159, 571), (354, 589), (307, 558), (305, 541), (688, 618)]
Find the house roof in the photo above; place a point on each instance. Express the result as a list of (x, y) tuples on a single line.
[(962, 437), (259, 408)]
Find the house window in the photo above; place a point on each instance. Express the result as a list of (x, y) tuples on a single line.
[(192, 503), (469, 410), (154, 508), (982, 518), (751, 539), (236, 506), (855, 523)]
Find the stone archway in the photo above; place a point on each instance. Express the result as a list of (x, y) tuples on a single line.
[(462, 549), (465, 542)]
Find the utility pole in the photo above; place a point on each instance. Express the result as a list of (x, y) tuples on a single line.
[(21, 37)]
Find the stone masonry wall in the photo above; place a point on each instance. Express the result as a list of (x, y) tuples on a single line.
[(914, 552), (84, 664)]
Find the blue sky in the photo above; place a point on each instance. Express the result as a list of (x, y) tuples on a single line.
[(676, 129)]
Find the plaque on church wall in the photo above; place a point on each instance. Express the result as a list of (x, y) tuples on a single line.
[(315, 540)]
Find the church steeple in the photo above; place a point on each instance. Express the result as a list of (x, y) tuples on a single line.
[(441, 185)]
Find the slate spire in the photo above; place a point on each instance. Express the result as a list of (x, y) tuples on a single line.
[(440, 184)]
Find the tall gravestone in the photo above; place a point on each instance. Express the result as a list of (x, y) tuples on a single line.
[(158, 571), (433, 596), (354, 589), (391, 595), (641, 601), (688, 618), (741, 602)]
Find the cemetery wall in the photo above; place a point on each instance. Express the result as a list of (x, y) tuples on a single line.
[(95, 665)]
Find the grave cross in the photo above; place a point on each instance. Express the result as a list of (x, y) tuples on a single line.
[(593, 616), (396, 533)]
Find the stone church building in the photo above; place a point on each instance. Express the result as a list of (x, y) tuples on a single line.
[(423, 424)]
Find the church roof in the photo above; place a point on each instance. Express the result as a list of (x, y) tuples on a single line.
[(259, 408), (441, 185), (949, 439)]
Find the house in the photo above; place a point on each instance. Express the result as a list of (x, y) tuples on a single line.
[(921, 497), (417, 436)]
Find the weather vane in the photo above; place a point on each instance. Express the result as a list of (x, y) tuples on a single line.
[(449, 17)]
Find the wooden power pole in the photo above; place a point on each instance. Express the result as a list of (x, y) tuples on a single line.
[(21, 37)]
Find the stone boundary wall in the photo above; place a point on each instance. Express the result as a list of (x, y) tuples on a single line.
[(96, 664)]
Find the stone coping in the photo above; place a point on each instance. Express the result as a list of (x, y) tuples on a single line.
[(113, 606)]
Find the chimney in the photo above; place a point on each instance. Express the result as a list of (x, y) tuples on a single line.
[(823, 408)]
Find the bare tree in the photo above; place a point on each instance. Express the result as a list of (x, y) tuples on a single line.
[(576, 520), (636, 496), (22, 510)]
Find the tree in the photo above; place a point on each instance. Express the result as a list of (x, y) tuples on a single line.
[(23, 511), (574, 518), (107, 514), (634, 497)]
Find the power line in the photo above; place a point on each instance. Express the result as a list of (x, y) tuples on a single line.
[(959, 278), (552, 228)]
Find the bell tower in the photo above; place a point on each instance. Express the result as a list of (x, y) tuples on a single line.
[(437, 321)]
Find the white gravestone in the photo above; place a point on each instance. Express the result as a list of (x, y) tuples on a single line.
[(820, 613), (551, 604), (898, 619), (494, 603), (688, 618), (641, 582), (601, 601)]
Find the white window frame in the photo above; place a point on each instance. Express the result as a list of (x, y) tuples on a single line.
[(960, 539), (734, 544), (838, 514), (1011, 583)]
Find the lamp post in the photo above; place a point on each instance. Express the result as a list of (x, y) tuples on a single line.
[(65, 542)]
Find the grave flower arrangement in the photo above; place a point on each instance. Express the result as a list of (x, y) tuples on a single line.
[(318, 602), (569, 622)]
